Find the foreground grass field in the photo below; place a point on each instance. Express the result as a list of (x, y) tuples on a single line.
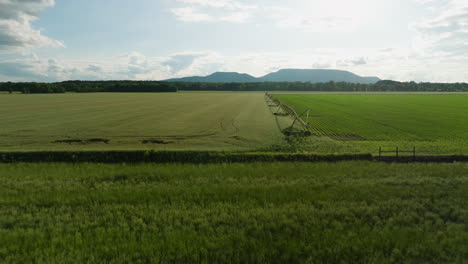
[(357, 212), (434, 123), (176, 121)]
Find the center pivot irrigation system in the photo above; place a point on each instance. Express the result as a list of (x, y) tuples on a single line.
[(298, 127)]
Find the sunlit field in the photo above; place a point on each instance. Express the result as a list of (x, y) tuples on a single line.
[(123, 121)]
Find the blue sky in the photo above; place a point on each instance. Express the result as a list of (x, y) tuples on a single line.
[(47, 40)]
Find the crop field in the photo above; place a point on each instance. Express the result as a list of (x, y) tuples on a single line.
[(124, 121), (234, 213), (233, 121), (436, 123)]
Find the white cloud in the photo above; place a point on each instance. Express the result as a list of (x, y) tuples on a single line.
[(316, 16), (178, 62), (237, 17), (441, 42), (16, 31), (351, 62), (319, 24), (447, 33), (190, 14), (398, 63), (95, 68), (214, 11), (226, 4), (322, 16)]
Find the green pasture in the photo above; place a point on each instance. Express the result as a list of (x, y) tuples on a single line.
[(359, 212), (434, 123), (125, 121)]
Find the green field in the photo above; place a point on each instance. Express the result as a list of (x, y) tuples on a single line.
[(233, 121), (283, 212), (434, 123), (123, 121), (359, 212)]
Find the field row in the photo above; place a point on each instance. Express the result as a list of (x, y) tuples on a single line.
[(358, 117)]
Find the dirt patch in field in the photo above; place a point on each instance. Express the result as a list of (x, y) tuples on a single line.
[(189, 136), (69, 141), (98, 140), (134, 178), (83, 141), (156, 141), (240, 138)]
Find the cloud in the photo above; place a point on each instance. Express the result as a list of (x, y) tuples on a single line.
[(237, 17), (137, 66), (226, 4), (178, 62), (441, 41), (16, 9), (328, 16), (447, 33), (95, 68), (351, 62), (16, 31), (190, 14), (31, 68), (319, 24), (318, 16), (213, 11), (319, 65), (398, 63), (18, 70)]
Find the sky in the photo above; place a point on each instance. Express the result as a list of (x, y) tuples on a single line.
[(404, 40)]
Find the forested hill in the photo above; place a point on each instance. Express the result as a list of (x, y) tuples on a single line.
[(219, 77), (286, 75), (316, 76)]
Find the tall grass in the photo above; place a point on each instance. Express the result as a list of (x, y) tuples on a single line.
[(234, 213)]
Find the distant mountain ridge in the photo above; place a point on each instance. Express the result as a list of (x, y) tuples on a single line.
[(218, 77), (285, 75)]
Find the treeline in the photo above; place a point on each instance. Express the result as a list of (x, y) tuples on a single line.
[(118, 86), (89, 87), (203, 157), (32, 87), (381, 86), (197, 157), (157, 86)]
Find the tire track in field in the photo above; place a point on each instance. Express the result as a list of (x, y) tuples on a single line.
[(232, 124), (395, 128), (235, 127), (236, 120)]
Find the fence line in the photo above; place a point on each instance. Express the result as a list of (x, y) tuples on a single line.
[(397, 151)]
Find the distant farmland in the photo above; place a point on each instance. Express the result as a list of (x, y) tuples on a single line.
[(176, 121), (233, 121), (431, 122)]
